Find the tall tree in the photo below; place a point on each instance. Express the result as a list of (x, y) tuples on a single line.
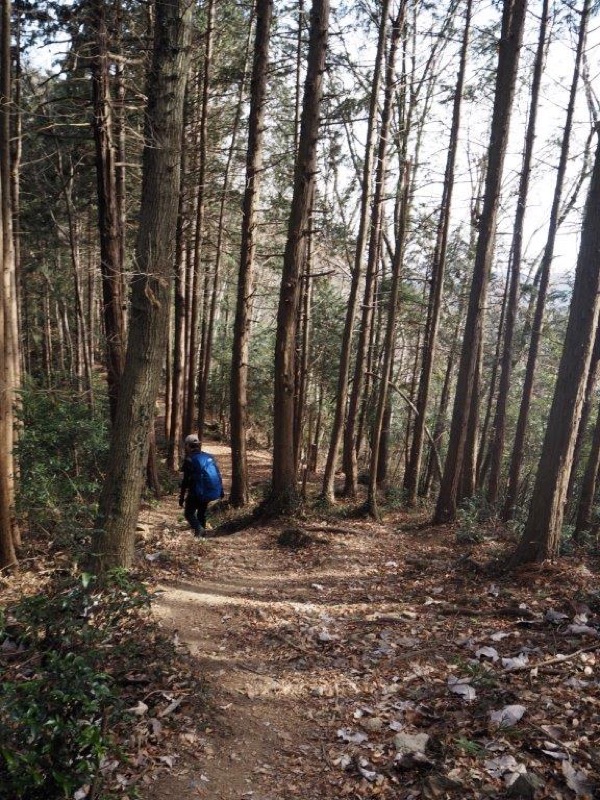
[(284, 493), (541, 535), (154, 256), (513, 20), (359, 252), (7, 539), (499, 427), (109, 217), (518, 450), (245, 287), (438, 268), (351, 436), (377, 459), (213, 285), (194, 351), (12, 359)]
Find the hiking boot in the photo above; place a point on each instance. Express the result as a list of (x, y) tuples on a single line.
[(199, 533)]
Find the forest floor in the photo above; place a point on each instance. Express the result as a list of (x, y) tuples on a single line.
[(370, 660)]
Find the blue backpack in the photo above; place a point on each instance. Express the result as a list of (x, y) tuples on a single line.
[(206, 477)]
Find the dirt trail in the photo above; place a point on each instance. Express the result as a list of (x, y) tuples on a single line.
[(258, 723), (256, 732), (373, 663)]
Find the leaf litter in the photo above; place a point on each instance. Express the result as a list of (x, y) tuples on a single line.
[(413, 674), (385, 663)]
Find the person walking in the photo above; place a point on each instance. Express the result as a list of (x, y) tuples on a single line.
[(201, 484)]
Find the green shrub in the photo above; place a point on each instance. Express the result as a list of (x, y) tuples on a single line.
[(470, 518), (52, 728), (60, 702), (61, 452)]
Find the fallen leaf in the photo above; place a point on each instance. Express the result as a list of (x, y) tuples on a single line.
[(487, 652), (577, 780), (139, 709), (581, 630), (353, 738), (508, 716), (497, 767), (516, 663), (170, 708), (554, 616), (462, 687)]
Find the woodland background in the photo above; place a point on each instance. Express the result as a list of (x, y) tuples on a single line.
[(370, 265), (363, 236)]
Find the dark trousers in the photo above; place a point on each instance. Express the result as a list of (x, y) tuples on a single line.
[(195, 512)]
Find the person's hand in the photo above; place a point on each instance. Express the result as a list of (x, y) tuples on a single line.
[(181, 501)]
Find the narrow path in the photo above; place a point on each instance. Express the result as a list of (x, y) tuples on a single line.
[(229, 599), (259, 729), (373, 663)]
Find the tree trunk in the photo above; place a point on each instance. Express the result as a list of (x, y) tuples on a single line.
[(303, 345), (589, 398), (109, 221), (175, 434), (388, 350), (357, 393), (245, 288), (194, 350), (284, 495), (541, 535), (9, 338), (538, 321), (508, 59), (344, 366), (468, 477), (411, 477), (84, 324), (585, 509), (112, 545)]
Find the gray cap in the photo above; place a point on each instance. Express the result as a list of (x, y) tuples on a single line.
[(192, 439)]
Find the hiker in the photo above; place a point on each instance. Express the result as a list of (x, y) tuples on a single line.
[(202, 481)]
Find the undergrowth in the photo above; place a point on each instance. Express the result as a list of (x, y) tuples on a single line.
[(62, 449), (64, 659)]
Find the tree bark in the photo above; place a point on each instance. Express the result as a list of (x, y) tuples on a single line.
[(175, 434), (541, 535), (9, 340), (518, 450), (245, 288), (345, 354), (109, 221), (589, 397), (112, 545), (513, 19), (284, 494), (584, 521)]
